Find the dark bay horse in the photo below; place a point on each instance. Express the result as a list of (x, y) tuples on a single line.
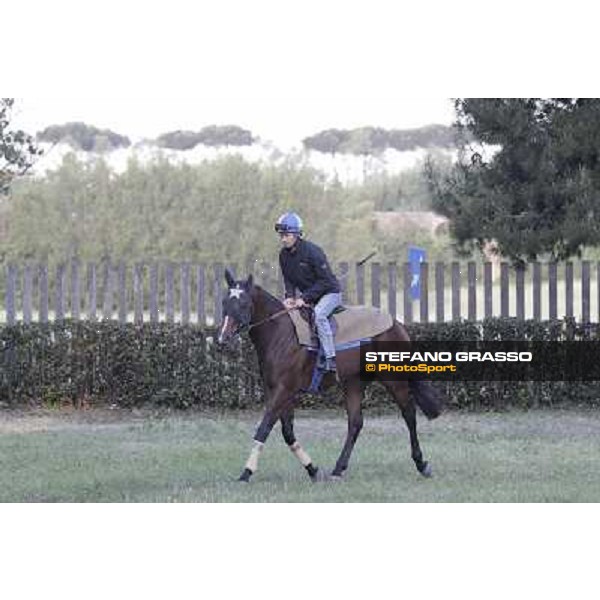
[(286, 369)]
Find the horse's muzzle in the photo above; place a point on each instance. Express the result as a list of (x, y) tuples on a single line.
[(228, 333)]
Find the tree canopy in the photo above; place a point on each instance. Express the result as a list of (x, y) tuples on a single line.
[(17, 149), (539, 194), (81, 136), (375, 140), (212, 135)]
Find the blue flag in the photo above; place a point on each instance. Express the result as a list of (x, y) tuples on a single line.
[(415, 257)]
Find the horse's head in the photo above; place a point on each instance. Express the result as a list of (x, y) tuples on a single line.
[(237, 307)]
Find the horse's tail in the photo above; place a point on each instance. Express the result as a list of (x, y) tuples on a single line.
[(428, 399)]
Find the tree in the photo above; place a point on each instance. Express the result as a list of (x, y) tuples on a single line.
[(375, 140), (212, 135), (81, 136), (17, 149), (540, 192), (178, 140), (366, 141), (225, 135), (327, 142)]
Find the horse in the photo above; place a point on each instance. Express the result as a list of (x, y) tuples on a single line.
[(286, 368)]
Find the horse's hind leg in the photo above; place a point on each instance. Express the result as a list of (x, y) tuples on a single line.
[(354, 395), (287, 429), (399, 390), (410, 417)]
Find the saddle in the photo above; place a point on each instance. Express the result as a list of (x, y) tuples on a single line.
[(350, 325)]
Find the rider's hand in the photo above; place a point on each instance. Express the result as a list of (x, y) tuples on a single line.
[(289, 303), (300, 303)]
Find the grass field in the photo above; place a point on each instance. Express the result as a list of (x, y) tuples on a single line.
[(112, 456)]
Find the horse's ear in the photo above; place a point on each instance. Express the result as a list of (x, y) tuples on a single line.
[(230, 278), (250, 281)]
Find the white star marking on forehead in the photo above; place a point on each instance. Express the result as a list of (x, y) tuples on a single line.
[(236, 292)]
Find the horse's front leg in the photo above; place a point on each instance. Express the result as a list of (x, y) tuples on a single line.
[(278, 403), (287, 429)]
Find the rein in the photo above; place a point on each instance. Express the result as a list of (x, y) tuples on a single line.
[(285, 311)]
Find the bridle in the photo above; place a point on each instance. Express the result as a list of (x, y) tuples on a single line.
[(249, 326)]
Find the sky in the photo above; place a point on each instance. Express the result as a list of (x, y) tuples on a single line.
[(283, 121), (282, 70)]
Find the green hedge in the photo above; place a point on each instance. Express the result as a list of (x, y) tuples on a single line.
[(179, 367), (127, 365), (499, 395)]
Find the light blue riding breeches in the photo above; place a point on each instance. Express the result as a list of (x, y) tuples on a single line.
[(325, 306)]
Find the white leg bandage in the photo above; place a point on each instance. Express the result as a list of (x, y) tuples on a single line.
[(301, 455), (252, 463)]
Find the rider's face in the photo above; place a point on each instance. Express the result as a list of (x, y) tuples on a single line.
[(287, 239)]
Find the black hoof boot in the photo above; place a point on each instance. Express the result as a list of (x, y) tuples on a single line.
[(245, 476), (313, 472)]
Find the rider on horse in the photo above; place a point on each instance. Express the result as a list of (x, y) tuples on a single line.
[(305, 267)]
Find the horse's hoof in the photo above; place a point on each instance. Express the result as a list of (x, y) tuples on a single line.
[(336, 477), (426, 470), (245, 476)]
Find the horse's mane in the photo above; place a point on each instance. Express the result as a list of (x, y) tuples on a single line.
[(272, 306), (272, 303)]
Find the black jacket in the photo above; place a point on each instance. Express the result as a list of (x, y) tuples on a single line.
[(305, 266)]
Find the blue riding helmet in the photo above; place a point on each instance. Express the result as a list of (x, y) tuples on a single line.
[(289, 223)]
